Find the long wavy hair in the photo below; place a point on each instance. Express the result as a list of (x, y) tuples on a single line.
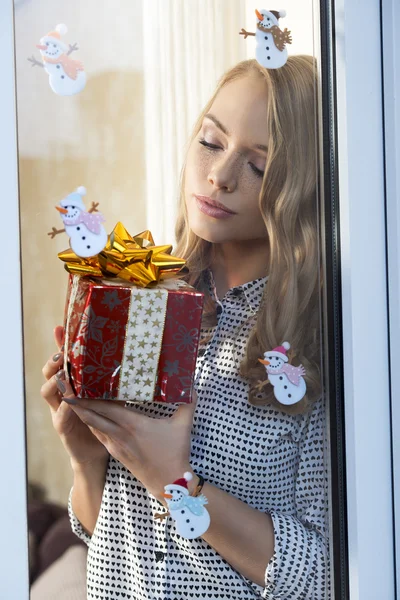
[(290, 307)]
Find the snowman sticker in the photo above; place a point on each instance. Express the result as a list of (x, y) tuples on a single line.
[(271, 41), (66, 75), (192, 519), (288, 381), (85, 230)]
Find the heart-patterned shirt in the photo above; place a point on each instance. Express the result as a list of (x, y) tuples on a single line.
[(275, 462)]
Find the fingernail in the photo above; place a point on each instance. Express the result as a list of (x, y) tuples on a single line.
[(60, 374), (61, 386), (57, 356), (70, 400)]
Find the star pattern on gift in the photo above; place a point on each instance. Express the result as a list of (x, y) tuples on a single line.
[(143, 343)]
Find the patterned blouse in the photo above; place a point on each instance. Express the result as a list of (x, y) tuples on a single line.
[(272, 461)]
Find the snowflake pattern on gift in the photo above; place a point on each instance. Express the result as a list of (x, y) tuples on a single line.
[(111, 299), (171, 367), (186, 339), (142, 349), (92, 325)]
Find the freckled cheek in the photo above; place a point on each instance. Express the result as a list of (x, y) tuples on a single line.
[(196, 174)]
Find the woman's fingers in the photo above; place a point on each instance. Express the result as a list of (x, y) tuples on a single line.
[(59, 335), (53, 365), (50, 391), (96, 421)]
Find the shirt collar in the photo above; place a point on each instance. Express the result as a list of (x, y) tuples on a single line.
[(252, 291)]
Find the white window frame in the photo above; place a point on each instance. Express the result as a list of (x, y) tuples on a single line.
[(14, 578), (364, 301), (364, 298), (391, 76)]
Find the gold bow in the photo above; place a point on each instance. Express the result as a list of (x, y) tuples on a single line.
[(135, 259)]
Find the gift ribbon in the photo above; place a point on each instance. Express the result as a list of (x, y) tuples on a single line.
[(72, 297), (143, 339), (135, 259)]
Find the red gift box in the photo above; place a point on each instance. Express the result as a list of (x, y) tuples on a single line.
[(128, 343)]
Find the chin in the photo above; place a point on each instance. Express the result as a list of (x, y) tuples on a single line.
[(214, 235)]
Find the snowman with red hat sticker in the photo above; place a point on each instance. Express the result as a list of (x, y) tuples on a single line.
[(192, 519), (288, 381)]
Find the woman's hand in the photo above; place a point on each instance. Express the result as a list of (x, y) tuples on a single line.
[(82, 445), (155, 451)]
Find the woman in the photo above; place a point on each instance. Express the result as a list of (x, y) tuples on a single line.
[(248, 229)]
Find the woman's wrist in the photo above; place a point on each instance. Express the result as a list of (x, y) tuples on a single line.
[(173, 475), (90, 467)]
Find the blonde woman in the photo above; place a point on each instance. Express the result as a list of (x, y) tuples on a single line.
[(248, 228)]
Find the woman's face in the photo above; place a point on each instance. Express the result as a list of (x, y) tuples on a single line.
[(225, 165)]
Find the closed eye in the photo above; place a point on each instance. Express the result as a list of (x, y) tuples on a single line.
[(208, 145), (213, 147)]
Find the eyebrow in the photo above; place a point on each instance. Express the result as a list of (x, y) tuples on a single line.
[(226, 132)]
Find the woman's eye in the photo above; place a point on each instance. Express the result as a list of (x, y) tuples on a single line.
[(208, 145), (257, 171)]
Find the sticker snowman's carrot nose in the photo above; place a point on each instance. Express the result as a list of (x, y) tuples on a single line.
[(259, 15), (41, 46), (61, 210), (168, 496), (264, 362)]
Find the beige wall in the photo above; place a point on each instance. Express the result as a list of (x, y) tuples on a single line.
[(93, 139)]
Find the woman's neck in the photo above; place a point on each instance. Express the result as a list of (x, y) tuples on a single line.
[(236, 263)]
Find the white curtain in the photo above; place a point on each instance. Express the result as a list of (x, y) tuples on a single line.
[(188, 44)]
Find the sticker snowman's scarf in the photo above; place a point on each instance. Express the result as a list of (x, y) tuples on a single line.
[(291, 372), (281, 38), (70, 66), (90, 220)]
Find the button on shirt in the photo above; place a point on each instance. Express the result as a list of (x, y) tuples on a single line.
[(273, 461)]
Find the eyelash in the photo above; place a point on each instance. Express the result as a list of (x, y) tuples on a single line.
[(213, 147)]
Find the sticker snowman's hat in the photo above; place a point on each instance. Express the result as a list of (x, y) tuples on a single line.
[(178, 484), (75, 198), (279, 351), (278, 14), (60, 30)]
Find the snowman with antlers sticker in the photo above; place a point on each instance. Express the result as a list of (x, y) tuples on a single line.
[(271, 41)]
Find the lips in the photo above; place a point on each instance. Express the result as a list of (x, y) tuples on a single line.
[(213, 208)]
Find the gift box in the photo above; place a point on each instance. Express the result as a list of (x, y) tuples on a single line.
[(133, 338)]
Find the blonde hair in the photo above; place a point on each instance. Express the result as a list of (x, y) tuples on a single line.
[(289, 310)]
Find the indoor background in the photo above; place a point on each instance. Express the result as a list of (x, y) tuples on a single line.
[(151, 67)]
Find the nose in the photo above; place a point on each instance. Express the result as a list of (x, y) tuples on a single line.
[(224, 172), (41, 46)]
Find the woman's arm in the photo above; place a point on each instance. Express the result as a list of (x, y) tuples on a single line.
[(85, 497), (242, 535), (284, 553)]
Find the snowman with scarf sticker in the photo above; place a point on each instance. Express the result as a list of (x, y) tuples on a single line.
[(192, 519), (66, 75), (85, 230), (288, 381), (271, 51)]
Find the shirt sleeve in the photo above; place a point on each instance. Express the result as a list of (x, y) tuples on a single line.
[(75, 523), (299, 567)]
